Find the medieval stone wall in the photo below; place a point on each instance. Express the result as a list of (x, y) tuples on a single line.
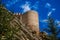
[(30, 19)]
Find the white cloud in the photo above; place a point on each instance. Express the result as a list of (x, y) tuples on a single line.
[(58, 22), (35, 6), (53, 9), (49, 13), (45, 20), (9, 3), (26, 7), (48, 5)]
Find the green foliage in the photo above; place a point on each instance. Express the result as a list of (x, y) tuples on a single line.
[(12, 28), (5, 28), (52, 29)]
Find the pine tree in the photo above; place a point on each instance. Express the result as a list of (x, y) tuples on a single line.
[(52, 29)]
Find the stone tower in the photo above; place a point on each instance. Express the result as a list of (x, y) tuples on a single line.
[(30, 19)]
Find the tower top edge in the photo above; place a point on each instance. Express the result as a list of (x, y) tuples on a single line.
[(31, 11)]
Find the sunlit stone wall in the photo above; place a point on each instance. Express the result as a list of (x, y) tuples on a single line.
[(30, 19)]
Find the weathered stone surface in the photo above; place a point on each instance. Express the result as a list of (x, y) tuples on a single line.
[(27, 26), (30, 19)]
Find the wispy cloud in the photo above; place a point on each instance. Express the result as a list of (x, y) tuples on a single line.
[(58, 22), (48, 5), (26, 7), (9, 3), (50, 12), (44, 21), (53, 9), (35, 6)]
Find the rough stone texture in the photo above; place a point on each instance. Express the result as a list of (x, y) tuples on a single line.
[(30, 19), (18, 15), (31, 27)]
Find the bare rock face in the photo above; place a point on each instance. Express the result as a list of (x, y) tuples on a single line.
[(30, 19)]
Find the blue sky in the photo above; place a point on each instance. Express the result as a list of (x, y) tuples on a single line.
[(44, 8)]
